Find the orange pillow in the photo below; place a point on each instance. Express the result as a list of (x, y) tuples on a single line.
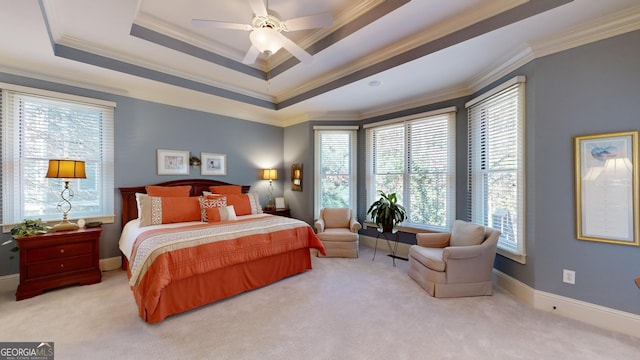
[(210, 202), (240, 203), (168, 191), (166, 210), (223, 213), (226, 189)]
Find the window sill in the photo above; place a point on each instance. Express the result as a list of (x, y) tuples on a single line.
[(407, 229), (520, 258)]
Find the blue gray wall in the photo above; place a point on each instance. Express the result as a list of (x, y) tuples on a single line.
[(591, 89), (142, 127), (587, 90)]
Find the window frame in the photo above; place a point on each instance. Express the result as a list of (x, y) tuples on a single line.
[(406, 123), (352, 131), (476, 181), (12, 199)]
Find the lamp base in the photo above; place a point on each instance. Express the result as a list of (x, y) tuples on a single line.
[(64, 225)]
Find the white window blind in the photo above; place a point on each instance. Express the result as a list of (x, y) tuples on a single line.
[(496, 164), (416, 160), (335, 170), (38, 126)]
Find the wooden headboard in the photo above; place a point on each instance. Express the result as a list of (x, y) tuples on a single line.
[(130, 208)]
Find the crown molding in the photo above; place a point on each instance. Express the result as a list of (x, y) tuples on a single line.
[(428, 99), (599, 29)]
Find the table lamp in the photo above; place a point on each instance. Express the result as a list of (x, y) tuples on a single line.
[(66, 170)]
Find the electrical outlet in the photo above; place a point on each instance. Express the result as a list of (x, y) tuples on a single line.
[(569, 276)]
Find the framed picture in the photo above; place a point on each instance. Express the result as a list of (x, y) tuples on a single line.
[(606, 176), (213, 164), (280, 203), (173, 162)]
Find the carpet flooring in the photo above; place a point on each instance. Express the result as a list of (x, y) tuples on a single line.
[(342, 309)]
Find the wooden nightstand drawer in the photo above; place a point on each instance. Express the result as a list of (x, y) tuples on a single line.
[(60, 251), (58, 259), (59, 266)]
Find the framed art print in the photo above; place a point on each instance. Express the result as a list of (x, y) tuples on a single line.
[(173, 162), (606, 176), (213, 164)]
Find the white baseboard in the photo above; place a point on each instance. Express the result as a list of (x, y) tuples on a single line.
[(600, 316), (10, 282)]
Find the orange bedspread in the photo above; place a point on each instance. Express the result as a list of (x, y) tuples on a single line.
[(162, 257)]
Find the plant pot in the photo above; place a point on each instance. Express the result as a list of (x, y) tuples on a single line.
[(387, 227)]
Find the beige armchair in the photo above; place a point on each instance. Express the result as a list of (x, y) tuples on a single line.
[(337, 228), (459, 263)]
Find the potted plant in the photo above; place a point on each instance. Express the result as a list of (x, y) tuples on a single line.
[(26, 228), (386, 212)]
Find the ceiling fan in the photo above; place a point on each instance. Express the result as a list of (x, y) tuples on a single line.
[(266, 31)]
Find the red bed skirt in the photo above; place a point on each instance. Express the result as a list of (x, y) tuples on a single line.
[(190, 293)]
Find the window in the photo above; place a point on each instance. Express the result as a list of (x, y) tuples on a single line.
[(40, 125), (415, 158), (335, 167), (497, 163)]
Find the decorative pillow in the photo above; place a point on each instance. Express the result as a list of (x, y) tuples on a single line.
[(226, 189), (138, 196), (465, 234), (223, 213), (244, 204), (168, 191), (210, 202), (156, 210)]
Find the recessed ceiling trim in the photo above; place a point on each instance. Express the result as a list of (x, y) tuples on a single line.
[(342, 32), (131, 69), (155, 37), (495, 22)]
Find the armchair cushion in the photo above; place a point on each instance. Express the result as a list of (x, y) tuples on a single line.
[(337, 217), (465, 234), (429, 257)]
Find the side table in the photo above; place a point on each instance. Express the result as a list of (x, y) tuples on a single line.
[(58, 259), (280, 212), (389, 237)]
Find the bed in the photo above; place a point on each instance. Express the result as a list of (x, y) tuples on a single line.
[(180, 266)]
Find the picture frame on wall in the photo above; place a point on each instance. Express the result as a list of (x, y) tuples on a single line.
[(173, 162), (606, 185), (213, 164)]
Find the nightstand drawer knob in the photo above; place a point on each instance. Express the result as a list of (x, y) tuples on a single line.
[(61, 265), (61, 251)]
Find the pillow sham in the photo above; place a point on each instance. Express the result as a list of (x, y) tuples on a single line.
[(226, 189), (244, 204), (156, 210), (168, 191), (222, 213), (210, 202)]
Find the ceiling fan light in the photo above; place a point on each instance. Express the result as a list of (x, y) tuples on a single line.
[(266, 39)]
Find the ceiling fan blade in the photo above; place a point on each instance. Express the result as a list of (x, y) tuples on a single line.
[(295, 50), (258, 7), (220, 24), (251, 55), (309, 22)]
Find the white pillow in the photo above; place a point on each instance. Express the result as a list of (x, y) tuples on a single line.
[(227, 213)]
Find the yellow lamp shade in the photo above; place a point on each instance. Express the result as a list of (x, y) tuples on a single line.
[(66, 169), (270, 174)]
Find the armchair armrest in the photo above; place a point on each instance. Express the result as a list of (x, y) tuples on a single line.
[(319, 225), (463, 252), (354, 225), (433, 240)]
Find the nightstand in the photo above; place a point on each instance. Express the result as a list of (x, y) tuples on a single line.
[(279, 212), (58, 259)]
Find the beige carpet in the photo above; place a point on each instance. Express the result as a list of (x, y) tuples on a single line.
[(342, 309)]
